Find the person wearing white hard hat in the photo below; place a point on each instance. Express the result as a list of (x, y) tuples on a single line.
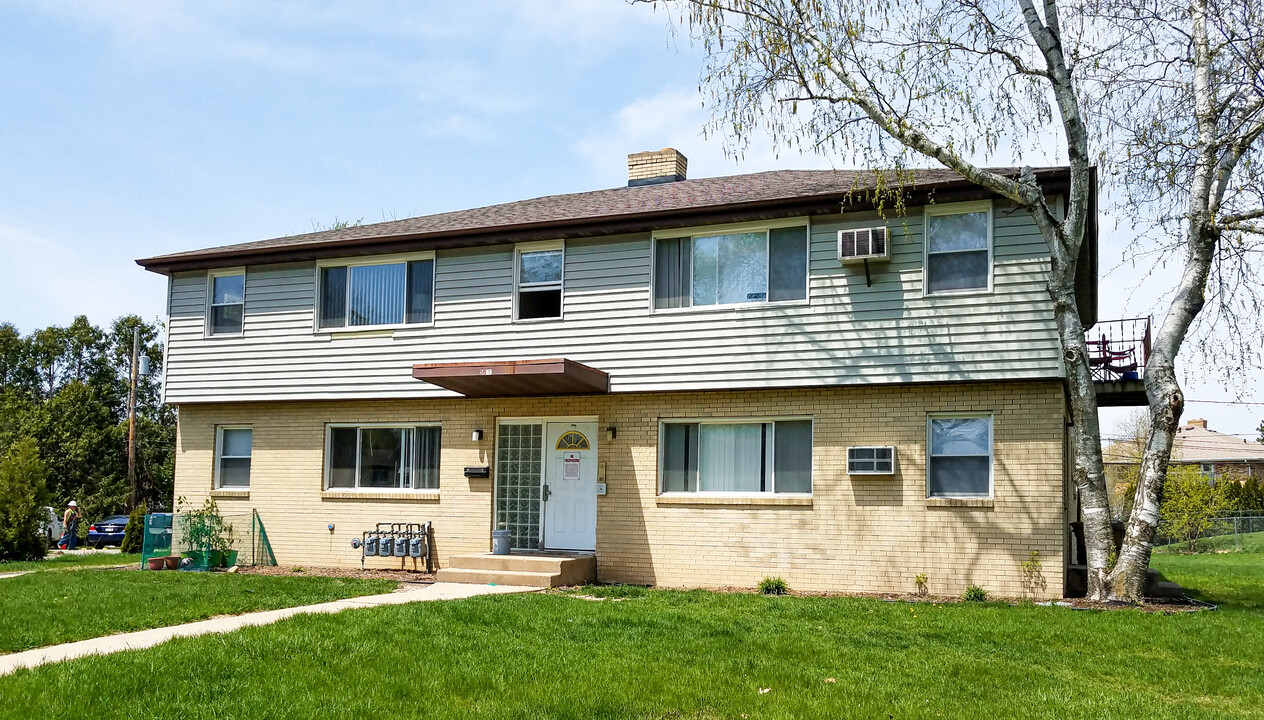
[(71, 522)]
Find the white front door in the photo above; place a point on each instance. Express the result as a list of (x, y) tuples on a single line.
[(570, 476)]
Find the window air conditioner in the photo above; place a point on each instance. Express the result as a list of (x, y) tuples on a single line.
[(871, 460), (863, 244)]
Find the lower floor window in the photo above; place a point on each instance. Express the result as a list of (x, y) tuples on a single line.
[(382, 456), (232, 457), (960, 458), (761, 456)]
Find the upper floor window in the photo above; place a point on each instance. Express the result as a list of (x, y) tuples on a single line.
[(760, 265), (539, 293), (736, 456), (366, 294), (960, 457), (232, 457), (228, 302), (382, 456), (958, 247)]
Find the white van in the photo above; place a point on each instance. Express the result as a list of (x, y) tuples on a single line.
[(52, 526)]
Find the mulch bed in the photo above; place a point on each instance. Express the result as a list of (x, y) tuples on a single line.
[(403, 576), (1152, 605)]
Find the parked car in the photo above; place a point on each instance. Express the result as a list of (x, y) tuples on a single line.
[(107, 531), (52, 526)]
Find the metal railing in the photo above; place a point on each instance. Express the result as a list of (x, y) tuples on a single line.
[(1119, 349)]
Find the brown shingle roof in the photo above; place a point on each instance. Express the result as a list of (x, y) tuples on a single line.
[(625, 209), (1192, 444)]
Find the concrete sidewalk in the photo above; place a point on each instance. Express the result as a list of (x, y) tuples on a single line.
[(149, 638)]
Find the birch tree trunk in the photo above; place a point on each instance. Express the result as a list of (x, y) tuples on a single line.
[(1127, 579)]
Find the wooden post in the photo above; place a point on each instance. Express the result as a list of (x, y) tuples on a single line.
[(131, 422)]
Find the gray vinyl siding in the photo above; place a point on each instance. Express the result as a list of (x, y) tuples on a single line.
[(848, 332)]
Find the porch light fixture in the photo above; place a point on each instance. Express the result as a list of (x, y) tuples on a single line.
[(476, 436), (611, 433)]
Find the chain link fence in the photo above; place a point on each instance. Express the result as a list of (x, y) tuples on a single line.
[(1228, 530), (201, 541)]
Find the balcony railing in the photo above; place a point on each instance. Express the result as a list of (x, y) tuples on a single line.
[(1119, 349)]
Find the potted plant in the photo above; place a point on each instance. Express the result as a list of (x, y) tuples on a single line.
[(225, 545), (203, 533)]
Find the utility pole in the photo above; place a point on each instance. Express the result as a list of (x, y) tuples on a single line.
[(131, 422)]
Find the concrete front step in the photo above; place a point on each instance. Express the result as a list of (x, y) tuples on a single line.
[(543, 570), (498, 577)]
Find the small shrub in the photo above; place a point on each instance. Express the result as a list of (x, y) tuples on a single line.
[(134, 535), (921, 579), (773, 586), (297, 569), (974, 593), (1033, 576)]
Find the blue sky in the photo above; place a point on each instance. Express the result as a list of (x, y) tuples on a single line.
[(131, 129)]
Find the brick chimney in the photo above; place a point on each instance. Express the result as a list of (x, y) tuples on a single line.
[(1198, 423), (656, 166)]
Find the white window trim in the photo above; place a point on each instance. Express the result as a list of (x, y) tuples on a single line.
[(395, 259), (219, 455), (991, 451), (960, 208), (733, 229), (560, 285), (662, 422), (207, 330), (329, 427)]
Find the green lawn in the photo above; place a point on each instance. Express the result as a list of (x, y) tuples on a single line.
[(70, 562), (46, 608), (664, 654)]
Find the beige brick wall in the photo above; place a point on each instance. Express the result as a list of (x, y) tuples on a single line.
[(870, 534), (657, 163)]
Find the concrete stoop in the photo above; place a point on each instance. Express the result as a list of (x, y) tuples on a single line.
[(544, 570)]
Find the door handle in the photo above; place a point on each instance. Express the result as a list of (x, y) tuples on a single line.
[(546, 493)]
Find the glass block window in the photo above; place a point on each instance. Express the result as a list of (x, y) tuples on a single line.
[(519, 467)]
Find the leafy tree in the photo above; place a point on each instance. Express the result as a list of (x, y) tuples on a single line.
[(67, 389), (1190, 503), (1251, 496), (1233, 494), (1122, 457), (22, 501), (1173, 105)]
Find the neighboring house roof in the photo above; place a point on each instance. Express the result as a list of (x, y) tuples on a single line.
[(1194, 444)]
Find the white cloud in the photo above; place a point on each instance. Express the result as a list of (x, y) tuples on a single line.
[(675, 118), (48, 282)]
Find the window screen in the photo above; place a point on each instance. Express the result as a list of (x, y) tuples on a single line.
[(379, 294), (960, 457), (737, 457), (761, 266), (672, 272), (540, 284), (788, 264), (957, 252), (233, 463), (383, 457), (228, 302)]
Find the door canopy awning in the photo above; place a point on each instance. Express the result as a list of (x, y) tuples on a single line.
[(515, 378)]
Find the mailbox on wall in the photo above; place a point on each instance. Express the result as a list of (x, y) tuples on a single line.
[(480, 471)]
